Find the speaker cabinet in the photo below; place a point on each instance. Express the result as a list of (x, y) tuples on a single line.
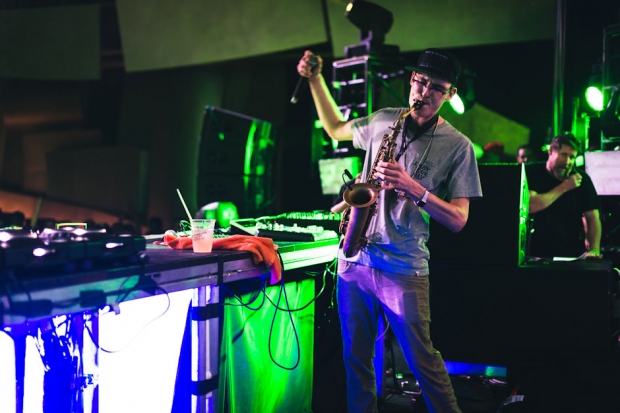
[(235, 162), (500, 315), (496, 231)]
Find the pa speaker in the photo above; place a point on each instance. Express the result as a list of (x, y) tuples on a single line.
[(235, 161)]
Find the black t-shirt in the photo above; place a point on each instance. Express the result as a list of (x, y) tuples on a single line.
[(558, 229)]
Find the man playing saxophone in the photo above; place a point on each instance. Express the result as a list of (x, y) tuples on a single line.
[(432, 173)]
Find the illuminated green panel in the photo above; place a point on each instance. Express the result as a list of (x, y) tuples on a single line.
[(331, 171), (249, 151), (263, 369)]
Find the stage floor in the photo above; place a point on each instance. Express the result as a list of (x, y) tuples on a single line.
[(581, 383)]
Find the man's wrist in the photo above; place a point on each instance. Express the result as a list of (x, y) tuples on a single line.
[(423, 199), (315, 78), (562, 187)]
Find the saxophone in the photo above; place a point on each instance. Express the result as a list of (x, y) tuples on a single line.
[(362, 197)]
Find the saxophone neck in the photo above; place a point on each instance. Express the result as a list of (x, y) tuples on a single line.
[(416, 105), (401, 118)]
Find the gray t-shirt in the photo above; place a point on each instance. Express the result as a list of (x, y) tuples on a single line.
[(399, 231)]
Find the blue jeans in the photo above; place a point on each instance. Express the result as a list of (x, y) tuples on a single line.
[(364, 295)]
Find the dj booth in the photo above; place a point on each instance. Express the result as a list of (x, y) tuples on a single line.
[(122, 324), (219, 339)]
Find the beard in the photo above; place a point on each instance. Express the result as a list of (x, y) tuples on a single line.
[(563, 173)]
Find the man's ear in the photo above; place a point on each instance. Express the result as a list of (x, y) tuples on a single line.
[(451, 94)]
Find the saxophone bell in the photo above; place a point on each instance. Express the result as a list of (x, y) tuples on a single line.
[(362, 199), (360, 195)]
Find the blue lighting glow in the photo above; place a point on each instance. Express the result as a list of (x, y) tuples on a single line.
[(471, 369), (145, 339), (7, 373), (33, 380)]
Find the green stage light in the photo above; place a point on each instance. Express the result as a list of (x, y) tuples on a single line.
[(222, 212), (465, 97), (594, 97), (478, 150), (580, 161), (457, 104)]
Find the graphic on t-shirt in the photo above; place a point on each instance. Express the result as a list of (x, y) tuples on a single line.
[(422, 171)]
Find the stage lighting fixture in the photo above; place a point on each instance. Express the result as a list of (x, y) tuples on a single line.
[(610, 116), (465, 97), (457, 104), (594, 91), (374, 22), (478, 150), (594, 97), (222, 212)]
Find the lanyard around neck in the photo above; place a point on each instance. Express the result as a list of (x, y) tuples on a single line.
[(421, 130)]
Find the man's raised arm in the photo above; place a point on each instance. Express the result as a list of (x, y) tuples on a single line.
[(329, 114)]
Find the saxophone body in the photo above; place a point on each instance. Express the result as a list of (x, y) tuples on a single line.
[(362, 197)]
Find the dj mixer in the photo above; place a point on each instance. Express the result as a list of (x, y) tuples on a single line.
[(327, 220), (293, 226)]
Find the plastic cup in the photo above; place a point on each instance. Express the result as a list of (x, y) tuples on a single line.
[(202, 234)]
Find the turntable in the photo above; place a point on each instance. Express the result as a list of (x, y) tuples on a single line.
[(66, 250)]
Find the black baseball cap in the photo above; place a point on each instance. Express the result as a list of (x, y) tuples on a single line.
[(439, 63)]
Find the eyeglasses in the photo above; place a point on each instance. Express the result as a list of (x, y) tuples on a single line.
[(433, 90)]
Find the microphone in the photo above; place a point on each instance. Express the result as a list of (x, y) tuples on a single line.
[(348, 174), (312, 61)]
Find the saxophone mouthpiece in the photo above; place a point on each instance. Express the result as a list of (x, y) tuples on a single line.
[(417, 104)]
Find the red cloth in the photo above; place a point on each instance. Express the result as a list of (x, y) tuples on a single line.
[(262, 249), (178, 243)]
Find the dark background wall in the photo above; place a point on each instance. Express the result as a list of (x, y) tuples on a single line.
[(138, 91)]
